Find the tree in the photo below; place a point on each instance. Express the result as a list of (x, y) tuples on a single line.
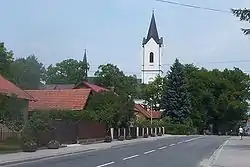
[(11, 113), (152, 92), (110, 76), (111, 109), (244, 15), (68, 71), (201, 96), (176, 100), (27, 72), (6, 58)]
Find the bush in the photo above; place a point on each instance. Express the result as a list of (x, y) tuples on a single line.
[(29, 146), (121, 138), (108, 139), (159, 134), (152, 135), (145, 135), (53, 144), (129, 137)]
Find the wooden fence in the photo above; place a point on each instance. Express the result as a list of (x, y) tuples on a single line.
[(7, 133)]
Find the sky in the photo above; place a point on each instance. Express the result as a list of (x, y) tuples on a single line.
[(112, 32)]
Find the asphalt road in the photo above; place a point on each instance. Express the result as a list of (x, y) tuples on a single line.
[(186, 151)]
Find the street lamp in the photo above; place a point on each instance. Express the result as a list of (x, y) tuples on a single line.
[(151, 116)]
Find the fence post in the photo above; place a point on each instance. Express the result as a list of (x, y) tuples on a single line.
[(155, 130), (119, 132), (147, 131), (163, 129), (137, 131), (112, 133), (124, 132), (143, 131), (160, 129)]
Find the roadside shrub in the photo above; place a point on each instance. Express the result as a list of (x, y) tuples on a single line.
[(108, 139), (121, 138), (53, 144), (152, 135), (159, 134), (29, 146), (129, 137)]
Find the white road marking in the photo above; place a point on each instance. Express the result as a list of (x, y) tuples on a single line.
[(179, 142), (192, 139), (147, 152), (171, 145), (106, 164), (188, 140), (133, 156), (162, 147)]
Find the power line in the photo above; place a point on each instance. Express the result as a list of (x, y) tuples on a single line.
[(194, 6), (215, 62)]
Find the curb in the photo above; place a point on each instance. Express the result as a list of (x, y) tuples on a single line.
[(210, 162), (45, 157)]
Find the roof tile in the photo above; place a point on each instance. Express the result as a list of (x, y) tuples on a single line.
[(146, 113), (65, 99), (9, 88)]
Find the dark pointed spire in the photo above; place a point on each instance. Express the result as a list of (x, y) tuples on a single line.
[(85, 65), (153, 32), (85, 56)]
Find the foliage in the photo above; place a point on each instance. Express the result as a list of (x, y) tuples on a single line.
[(176, 99), (39, 122), (244, 15), (53, 144), (6, 58), (111, 109), (27, 72), (11, 111), (68, 71), (145, 123), (112, 77), (219, 98), (152, 92)]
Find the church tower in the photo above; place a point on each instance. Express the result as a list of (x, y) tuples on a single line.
[(151, 53)]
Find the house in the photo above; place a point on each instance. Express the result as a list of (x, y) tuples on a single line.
[(141, 112), (84, 84), (140, 109), (23, 98), (62, 99)]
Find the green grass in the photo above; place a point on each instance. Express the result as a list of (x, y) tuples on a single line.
[(10, 145)]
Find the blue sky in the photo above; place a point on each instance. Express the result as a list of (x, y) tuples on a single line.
[(112, 31)]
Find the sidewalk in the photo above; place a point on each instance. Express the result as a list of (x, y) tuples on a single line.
[(235, 153), (7, 159)]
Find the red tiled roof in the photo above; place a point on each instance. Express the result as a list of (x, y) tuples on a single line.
[(57, 86), (146, 113), (9, 88), (93, 87), (65, 99)]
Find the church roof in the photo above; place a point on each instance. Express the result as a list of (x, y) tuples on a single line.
[(153, 32)]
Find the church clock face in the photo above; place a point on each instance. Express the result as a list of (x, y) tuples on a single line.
[(152, 52)]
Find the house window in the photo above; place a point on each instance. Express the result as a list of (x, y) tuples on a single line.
[(151, 57)]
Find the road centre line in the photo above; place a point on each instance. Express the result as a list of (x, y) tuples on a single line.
[(171, 145), (147, 152), (130, 157), (106, 164), (162, 147)]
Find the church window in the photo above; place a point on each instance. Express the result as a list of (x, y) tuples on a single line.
[(151, 57)]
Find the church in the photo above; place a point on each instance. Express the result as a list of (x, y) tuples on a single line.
[(151, 54)]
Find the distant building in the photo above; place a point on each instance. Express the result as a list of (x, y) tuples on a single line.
[(151, 54)]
